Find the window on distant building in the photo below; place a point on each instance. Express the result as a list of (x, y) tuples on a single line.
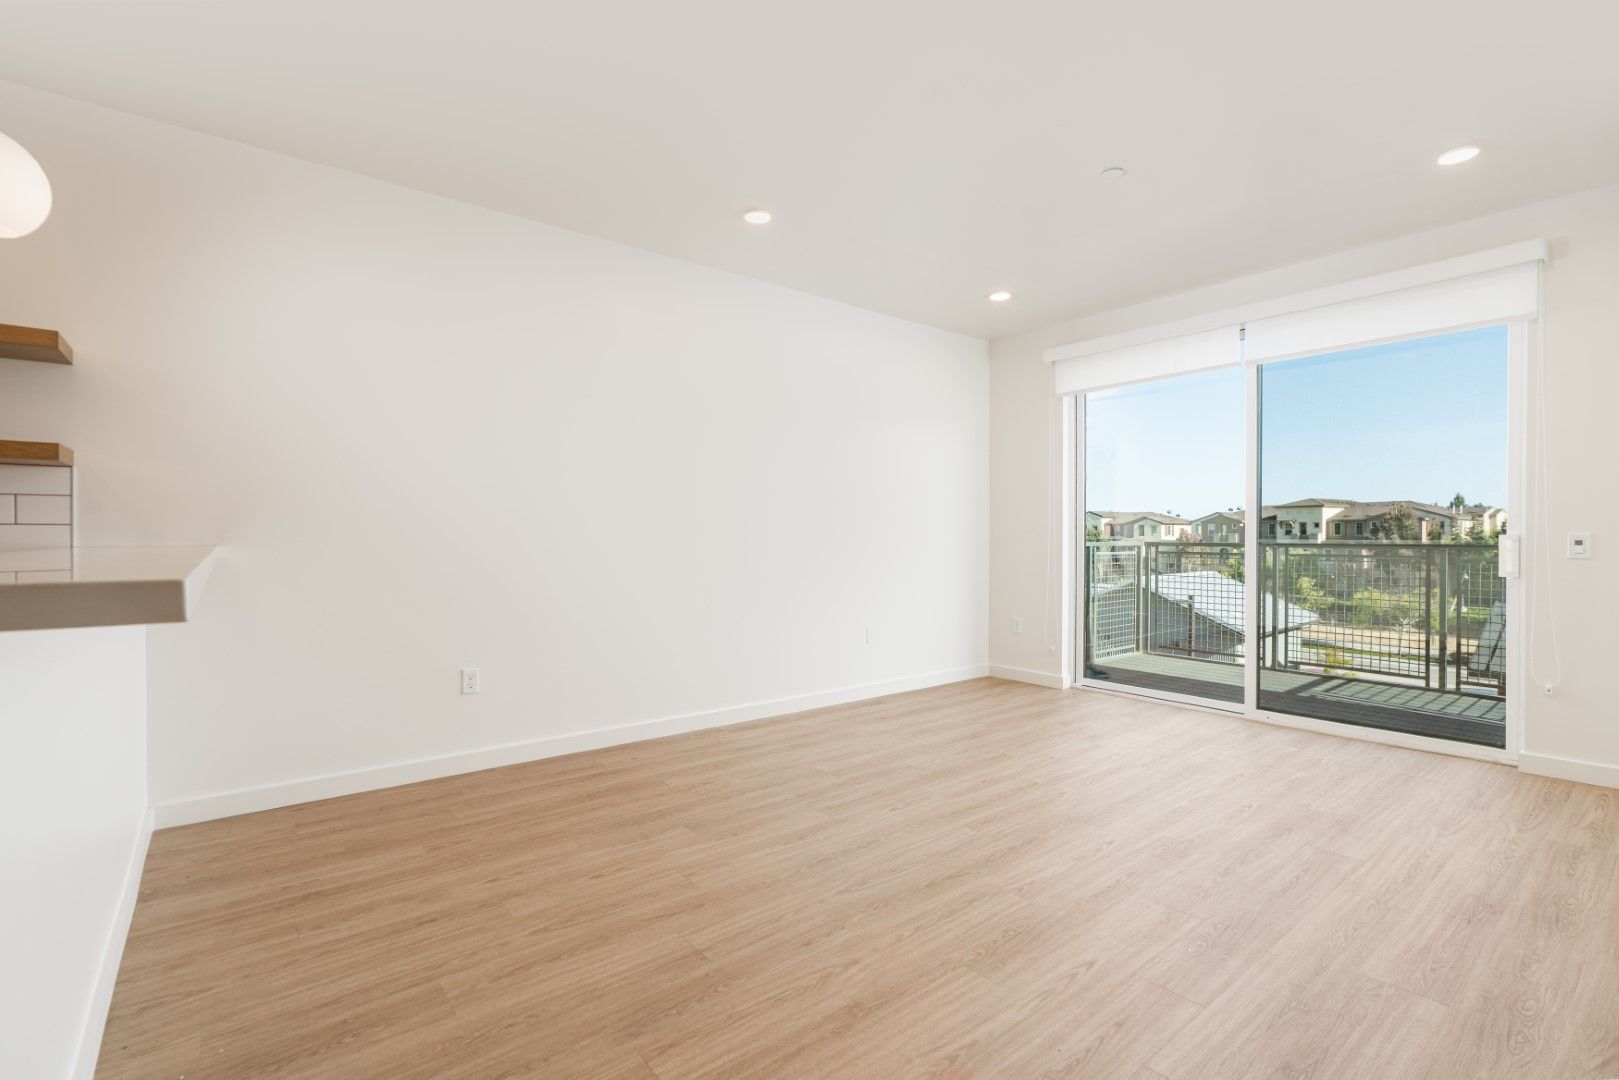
[(1360, 528), (1337, 528)]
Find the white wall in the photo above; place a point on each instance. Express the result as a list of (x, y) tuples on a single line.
[(429, 435), (72, 823), (1575, 732)]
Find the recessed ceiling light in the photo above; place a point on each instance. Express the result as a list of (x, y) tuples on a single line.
[(1000, 296), (1113, 172), (756, 217), (1458, 154)]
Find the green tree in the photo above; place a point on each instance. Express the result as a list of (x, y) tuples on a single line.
[(1308, 595), (1400, 525), (1376, 608), (1458, 502)]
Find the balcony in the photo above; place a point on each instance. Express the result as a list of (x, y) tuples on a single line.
[(1404, 637)]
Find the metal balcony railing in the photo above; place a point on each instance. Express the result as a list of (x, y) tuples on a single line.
[(1428, 615)]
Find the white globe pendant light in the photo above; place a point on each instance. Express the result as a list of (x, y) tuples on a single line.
[(25, 191)]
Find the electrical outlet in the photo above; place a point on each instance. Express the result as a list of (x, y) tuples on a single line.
[(469, 680), (1017, 626), (1579, 545), (871, 636)]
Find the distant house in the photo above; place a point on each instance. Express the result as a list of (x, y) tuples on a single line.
[(1307, 521), (1136, 525), (1349, 521), (1482, 519), (1423, 523), (1220, 527), (1152, 527), (1195, 613)]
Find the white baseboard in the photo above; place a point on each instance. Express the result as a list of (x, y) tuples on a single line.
[(330, 786), (1017, 674), (1583, 772), (112, 955)]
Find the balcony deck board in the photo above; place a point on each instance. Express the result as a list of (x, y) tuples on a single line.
[(1362, 701)]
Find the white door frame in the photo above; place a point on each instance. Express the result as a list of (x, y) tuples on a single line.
[(1518, 380)]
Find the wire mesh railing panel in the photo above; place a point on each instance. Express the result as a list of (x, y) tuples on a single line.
[(1427, 615), (1113, 594), (1350, 609), (1195, 593), (1478, 620)]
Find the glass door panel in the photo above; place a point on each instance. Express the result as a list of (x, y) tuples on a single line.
[(1163, 536), (1383, 479)]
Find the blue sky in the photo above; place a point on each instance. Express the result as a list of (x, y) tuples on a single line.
[(1412, 420)]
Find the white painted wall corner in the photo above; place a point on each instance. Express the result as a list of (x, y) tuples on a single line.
[(95, 1017), (1582, 772), (1017, 674)]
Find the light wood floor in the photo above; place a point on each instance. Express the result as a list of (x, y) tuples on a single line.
[(982, 880)]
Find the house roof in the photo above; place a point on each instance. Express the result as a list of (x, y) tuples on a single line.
[(1217, 598), (1361, 511), (1162, 519), (1317, 502), (1124, 515), (1355, 509)]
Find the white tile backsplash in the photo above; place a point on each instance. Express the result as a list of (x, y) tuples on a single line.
[(36, 559), (36, 577), (18, 537), (36, 480), (44, 509), (36, 507)]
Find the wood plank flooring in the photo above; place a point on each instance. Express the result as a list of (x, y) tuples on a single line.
[(980, 880)]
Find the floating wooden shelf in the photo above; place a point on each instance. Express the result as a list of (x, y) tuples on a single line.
[(26, 343), (13, 452)]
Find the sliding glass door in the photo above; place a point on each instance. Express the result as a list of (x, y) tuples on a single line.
[(1383, 479), (1305, 535), (1163, 536)]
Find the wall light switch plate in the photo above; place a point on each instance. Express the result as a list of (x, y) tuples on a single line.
[(1017, 626), (469, 680), (1579, 545)]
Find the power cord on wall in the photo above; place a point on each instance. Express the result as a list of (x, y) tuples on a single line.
[(1542, 504)]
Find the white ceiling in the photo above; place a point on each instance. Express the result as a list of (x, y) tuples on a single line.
[(917, 153)]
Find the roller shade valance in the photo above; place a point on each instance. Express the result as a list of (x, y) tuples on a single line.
[(1178, 355), (1500, 285), (1510, 294)]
